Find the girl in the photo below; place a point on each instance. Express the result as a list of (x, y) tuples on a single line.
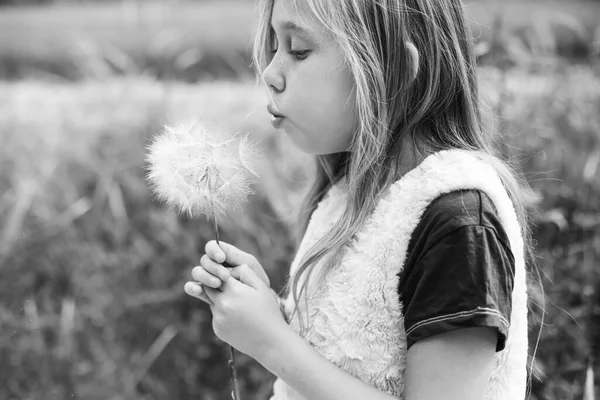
[(409, 281)]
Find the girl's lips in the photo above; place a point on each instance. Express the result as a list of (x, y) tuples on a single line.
[(276, 121), (276, 118), (273, 111)]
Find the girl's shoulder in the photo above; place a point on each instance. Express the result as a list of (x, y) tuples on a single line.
[(456, 210)]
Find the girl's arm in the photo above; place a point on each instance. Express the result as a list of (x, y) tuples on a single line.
[(451, 366), (454, 365)]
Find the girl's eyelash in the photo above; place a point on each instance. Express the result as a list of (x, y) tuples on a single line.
[(298, 54)]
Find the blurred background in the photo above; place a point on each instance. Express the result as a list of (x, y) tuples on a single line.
[(92, 267)]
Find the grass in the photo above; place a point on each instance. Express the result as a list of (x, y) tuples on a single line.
[(92, 269)]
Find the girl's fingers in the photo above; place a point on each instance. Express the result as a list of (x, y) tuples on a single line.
[(225, 251), (205, 277), (194, 289), (234, 257), (214, 268)]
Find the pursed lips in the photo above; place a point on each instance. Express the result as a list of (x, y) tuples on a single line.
[(273, 111), (277, 118)]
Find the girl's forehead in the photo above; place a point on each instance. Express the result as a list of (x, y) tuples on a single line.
[(296, 16)]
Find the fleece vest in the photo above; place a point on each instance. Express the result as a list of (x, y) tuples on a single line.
[(355, 315)]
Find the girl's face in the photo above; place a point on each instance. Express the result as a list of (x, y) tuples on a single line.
[(309, 83)]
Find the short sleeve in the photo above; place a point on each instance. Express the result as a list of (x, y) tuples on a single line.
[(465, 279)]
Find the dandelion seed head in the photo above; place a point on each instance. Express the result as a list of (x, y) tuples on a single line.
[(201, 169)]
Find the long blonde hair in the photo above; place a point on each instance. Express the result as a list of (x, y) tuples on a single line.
[(437, 110)]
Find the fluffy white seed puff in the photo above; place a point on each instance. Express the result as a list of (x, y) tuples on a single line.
[(199, 169)]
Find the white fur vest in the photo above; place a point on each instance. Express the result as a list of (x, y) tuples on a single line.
[(355, 314)]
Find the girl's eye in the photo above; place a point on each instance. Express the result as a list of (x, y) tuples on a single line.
[(300, 54)]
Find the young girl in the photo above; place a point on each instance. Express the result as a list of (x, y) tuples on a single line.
[(409, 281)]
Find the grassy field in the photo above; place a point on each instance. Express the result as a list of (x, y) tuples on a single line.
[(91, 268)]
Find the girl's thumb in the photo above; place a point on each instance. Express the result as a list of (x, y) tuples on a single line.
[(244, 274)]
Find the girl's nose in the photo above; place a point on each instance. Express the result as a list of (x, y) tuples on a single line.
[(273, 77)]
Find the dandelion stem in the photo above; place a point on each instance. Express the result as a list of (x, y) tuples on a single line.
[(233, 374), (216, 228)]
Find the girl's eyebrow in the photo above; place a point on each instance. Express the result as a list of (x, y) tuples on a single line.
[(291, 26)]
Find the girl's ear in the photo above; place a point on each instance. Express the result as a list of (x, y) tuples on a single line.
[(413, 55)]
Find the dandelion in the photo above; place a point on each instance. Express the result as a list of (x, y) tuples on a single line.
[(203, 170)]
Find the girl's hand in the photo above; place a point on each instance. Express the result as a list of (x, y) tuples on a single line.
[(245, 313), (212, 273)]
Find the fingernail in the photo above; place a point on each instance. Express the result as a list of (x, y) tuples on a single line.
[(221, 256)]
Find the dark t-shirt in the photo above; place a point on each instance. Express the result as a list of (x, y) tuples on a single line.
[(459, 269)]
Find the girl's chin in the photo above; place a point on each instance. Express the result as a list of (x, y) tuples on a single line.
[(300, 142)]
